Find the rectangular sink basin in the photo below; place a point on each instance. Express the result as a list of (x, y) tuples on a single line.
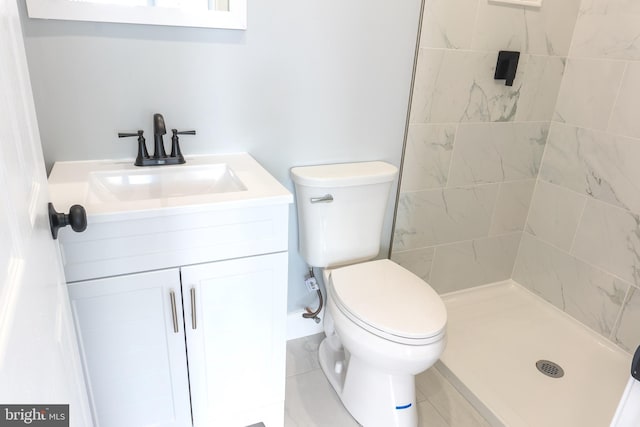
[(163, 182)]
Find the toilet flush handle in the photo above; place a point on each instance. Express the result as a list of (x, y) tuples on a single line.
[(327, 198)]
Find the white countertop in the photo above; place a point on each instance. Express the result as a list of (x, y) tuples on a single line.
[(71, 183)]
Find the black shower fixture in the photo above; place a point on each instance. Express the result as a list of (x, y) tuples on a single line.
[(507, 66)]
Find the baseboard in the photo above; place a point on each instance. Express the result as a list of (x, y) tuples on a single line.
[(298, 326)]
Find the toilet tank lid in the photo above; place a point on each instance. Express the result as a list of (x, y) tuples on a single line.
[(344, 174)]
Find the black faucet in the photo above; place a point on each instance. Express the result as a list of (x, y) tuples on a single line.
[(159, 129), (159, 154)]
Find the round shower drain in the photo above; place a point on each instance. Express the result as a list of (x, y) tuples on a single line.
[(549, 368)]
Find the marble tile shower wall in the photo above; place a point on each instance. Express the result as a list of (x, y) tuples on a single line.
[(475, 146), (581, 244)]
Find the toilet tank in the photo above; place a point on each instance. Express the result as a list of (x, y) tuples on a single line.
[(341, 210)]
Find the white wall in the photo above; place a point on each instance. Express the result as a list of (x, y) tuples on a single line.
[(309, 82)]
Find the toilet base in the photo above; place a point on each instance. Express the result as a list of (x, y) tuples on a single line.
[(374, 398), (333, 361)]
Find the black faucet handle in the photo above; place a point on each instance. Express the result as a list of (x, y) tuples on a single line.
[(183, 132), (142, 145), (175, 145), (128, 134)]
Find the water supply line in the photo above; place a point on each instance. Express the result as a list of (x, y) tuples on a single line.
[(311, 282)]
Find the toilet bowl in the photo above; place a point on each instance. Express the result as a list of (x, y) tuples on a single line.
[(383, 324), (375, 345)]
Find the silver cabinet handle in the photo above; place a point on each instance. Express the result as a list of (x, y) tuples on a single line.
[(193, 308), (174, 312), (327, 198)]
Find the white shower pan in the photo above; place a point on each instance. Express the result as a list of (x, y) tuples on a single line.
[(498, 332)]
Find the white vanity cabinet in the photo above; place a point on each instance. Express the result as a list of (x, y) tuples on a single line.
[(179, 299), (132, 340)]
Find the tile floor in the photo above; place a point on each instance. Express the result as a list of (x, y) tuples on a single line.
[(310, 401)]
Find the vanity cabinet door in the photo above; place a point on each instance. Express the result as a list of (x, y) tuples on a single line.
[(235, 323), (134, 360)]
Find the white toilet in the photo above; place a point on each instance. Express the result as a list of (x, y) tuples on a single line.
[(383, 324)]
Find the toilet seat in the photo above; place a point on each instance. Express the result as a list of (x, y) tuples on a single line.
[(389, 301)]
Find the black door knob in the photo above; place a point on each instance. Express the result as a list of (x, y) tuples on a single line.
[(76, 218)]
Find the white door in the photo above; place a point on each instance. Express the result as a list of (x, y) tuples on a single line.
[(235, 323), (39, 360), (132, 342), (628, 412)]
